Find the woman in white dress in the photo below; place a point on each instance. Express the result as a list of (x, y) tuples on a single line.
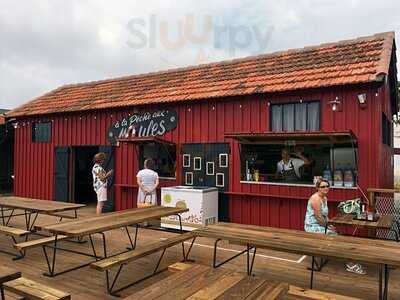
[(147, 181)]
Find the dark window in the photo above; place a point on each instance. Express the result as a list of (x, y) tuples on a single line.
[(41, 132), (386, 131), (163, 155), (295, 117)]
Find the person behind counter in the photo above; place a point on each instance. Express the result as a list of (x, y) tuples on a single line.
[(316, 219), (289, 168), (148, 181)]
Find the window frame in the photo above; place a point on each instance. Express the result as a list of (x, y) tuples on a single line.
[(197, 158), (270, 112), (43, 137), (187, 157), (220, 160), (386, 131), (186, 178), (222, 175), (330, 158), (210, 163), (141, 158)]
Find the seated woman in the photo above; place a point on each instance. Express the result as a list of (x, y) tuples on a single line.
[(317, 217)]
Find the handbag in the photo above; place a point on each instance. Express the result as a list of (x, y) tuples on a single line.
[(146, 204), (352, 206)]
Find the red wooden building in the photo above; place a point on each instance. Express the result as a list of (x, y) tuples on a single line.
[(222, 124)]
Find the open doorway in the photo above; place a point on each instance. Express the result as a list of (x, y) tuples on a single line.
[(7, 157), (83, 181)]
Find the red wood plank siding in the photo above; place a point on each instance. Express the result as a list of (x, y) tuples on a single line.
[(207, 121)]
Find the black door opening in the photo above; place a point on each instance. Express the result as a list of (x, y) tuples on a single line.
[(83, 180), (7, 157)]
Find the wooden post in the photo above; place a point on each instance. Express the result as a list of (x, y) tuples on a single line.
[(371, 200)]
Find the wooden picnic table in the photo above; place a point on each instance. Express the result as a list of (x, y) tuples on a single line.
[(111, 221), (37, 205), (33, 207), (203, 282), (385, 222), (100, 224), (348, 248)]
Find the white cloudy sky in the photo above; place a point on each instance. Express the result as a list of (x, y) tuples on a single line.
[(48, 43)]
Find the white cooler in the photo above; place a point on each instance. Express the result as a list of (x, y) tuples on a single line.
[(202, 203)]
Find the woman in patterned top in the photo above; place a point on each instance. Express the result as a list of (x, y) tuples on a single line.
[(100, 180), (316, 219)]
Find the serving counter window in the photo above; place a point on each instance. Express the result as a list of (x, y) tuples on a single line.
[(163, 155), (298, 158)]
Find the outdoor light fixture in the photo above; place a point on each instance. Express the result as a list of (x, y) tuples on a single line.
[(335, 104), (362, 99), (15, 125)]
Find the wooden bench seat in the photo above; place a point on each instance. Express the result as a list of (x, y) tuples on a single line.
[(16, 232), (307, 294), (39, 242), (7, 274), (126, 257), (35, 291)]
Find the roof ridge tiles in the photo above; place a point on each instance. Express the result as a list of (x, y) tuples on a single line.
[(385, 55), (231, 61)]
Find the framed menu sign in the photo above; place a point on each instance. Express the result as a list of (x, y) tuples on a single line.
[(147, 124)]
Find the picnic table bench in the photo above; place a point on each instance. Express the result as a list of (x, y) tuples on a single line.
[(382, 253), (13, 233), (7, 274), (298, 293), (30, 289), (99, 225), (123, 259)]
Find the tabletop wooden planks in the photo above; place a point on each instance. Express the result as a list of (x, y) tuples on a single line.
[(298, 233), (313, 244), (111, 221), (202, 282), (384, 222), (36, 205)]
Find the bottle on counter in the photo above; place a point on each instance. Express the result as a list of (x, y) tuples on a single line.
[(338, 176), (248, 175), (327, 174), (348, 177)]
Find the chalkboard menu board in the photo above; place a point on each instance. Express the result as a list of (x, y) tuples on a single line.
[(147, 124)]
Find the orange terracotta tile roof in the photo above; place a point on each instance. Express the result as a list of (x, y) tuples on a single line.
[(346, 62)]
